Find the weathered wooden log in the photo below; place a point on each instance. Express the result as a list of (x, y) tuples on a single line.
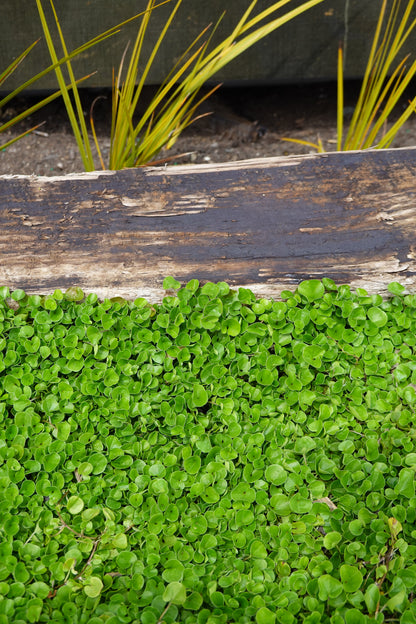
[(265, 224)]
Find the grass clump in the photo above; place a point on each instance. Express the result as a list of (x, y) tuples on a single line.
[(175, 104), (214, 459), (385, 81)]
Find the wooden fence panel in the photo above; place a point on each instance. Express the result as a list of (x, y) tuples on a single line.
[(303, 49)]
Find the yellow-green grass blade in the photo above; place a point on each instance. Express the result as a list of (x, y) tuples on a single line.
[(123, 93), (340, 99), (390, 105), (79, 50), (64, 91), (260, 17), (163, 133), (370, 112), (123, 141), (374, 92), (367, 77), (243, 26), (226, 51), (390, 135), (94, 134), (84, 149), (15, 64), (318, 146), (386, 46), (132, 71), (172, 80), (115, 100), (153, 54), (164, 161), (230, 49), (162, 126), (387, 101), (126, 91), (188, 110), (149, 116), (164, 91), (81, 120), (17, 138), (36, 107), (130, 93)]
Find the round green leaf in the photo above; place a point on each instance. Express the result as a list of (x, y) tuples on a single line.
[(276, 474), (110, 378), (126, 559), (232, 326), (192, 464), (75, 365), (74, 294), (171, 282), (351, 578), (173, 571), (199, 395), (193, 602), (50, 403), (265, 616), (175, 593), (63, 430), (329, 587), (311, 289), (20, 572), (243, 492), (33, 610), (51, 461), (406, 483), (331, 539), (353, 616), (98, 462), (75, 505), (244, 517), (377, 316), (299, 504), (258, 550), (395, 288), (93, 586)]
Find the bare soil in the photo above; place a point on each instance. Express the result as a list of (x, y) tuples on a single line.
[(244, 122)]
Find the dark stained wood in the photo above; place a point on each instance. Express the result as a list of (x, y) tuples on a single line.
[(265, 224)]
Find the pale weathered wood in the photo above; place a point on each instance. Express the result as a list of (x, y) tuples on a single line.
[(264, 224)]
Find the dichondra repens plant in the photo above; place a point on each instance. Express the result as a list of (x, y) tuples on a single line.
[(213, 459)]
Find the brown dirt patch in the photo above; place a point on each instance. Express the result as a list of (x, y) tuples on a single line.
[(246, 122)]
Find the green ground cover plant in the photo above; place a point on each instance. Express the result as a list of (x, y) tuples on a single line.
[(213, 459)]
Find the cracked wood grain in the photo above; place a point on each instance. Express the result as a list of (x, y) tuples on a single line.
[(265, 224)]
